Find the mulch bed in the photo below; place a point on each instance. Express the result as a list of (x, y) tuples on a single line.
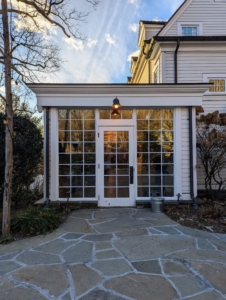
[(210, 216)]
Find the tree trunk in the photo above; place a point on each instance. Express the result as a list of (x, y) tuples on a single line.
[(8, 126)]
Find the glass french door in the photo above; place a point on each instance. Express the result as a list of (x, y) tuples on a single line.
[(116, 167)]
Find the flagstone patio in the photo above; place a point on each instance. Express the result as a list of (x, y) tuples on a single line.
[(114, 254)]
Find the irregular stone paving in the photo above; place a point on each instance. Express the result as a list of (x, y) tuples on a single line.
[(114, 254)]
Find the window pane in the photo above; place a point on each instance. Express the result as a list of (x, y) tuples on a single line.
[(142, 114), (89, 125), (142, 135), (105, 114), (64, 148), (76, 124), (64, 181), (64, 124), (77, 136), (143, 191), (64, 170), (77, 114), (64, 136), (155, 113), (77, 181), (89, 136), (89, 192), (154, 125), (63, 114), (64, 159), (89, 114), (142, 125), (123, 192), (142, 158), (127, 114)]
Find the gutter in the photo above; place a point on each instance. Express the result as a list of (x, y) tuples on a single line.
[(46, 162), (175, 61)]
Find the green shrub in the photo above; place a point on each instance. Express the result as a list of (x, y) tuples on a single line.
[(37, 220)]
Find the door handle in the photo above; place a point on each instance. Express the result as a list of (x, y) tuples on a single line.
[(131, 175)]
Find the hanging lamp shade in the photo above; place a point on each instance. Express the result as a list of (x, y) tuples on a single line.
[(116, 104), (115, 113)]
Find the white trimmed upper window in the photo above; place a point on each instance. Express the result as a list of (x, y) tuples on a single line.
[(218, 81), (189, 29)]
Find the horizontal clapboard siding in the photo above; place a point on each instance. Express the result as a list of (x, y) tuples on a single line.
[(192, 65), (185, 151), (210, 13)]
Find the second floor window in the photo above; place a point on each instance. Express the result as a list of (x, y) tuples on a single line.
[(189, 31)]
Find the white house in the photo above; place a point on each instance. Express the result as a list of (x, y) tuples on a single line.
[(146, 147)]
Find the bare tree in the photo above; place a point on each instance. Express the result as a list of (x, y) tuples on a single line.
[(211, 146), (26, 54)]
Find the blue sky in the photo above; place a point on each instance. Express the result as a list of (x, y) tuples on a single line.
[(112, 34)]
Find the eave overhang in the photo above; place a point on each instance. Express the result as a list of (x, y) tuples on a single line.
[(130, 95), (190, 38)]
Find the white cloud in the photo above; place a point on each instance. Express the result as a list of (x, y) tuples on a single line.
[(77, 45), (109, 39), (134, 2), (133, 27), (135, 53), (91, 43)]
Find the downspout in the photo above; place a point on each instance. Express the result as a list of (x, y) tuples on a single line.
[(191, 156), (175, 61), (47, 158)]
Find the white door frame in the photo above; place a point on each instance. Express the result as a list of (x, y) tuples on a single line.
[(115, 202)]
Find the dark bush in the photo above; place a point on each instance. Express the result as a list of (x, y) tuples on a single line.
[(37, 220)]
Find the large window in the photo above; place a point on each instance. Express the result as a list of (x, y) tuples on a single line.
[(77, 153), (189, 30), (155, 153), (218, 82)]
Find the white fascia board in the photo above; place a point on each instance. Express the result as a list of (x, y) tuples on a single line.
[(158, 100), (175, 17)]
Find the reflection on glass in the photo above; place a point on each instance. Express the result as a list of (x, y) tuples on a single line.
[(76, 124), (89, 136), (77, 169), (127, 114), (167, 158), (116, 116), (143, 180), (77, 158), (123, 181), (89, 147), (123, 192), (155, 114), (90, 158), (77, 114), (109, 192), (142, 125), (155, 136), (167, 136), (168, 180), (122, 136), (64, 181), (168, 191), (89, 125), (64, 159), (76, 147), (142, 169), (123, 158), (142, 147), (122, 147), (110, 181), (63, 114), (89, 192), (143, 191), (77, 192), (167, 125), (142, 158), (155, 180), (123, 169), (63, 193), (89, 114), (142, 135), (77, 136), (64, 136), (155, 158), (64, 148), (77, 181), (64, 125), (90, 169), (167, 147), (167, 113), (142, 114), (154, 125), (64, 170), (105, 113), (90, 180)]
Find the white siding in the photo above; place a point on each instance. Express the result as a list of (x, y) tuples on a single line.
[(185, 152), (210, 13), (193, 64)]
